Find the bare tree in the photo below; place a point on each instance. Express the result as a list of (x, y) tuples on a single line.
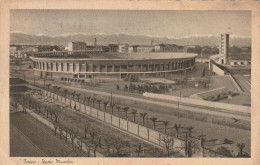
[(78, 95), (55, 125), (143, 116), (138, 149), (118, 144), (89, 148), (93, 100), (134, 113), (168, 143), (73, 95), (165, 123), (126, 111), (108, 140), (86, 127), (112, 107), (99, 102), (56, 114), (73, 134), (240, 146), (154, 121), (105, 105), (79, 143), (58, 91), (94, 148), (60, 129), (118, 109), (65, 93), (177, 127), (93, 135), (88, 98), (66, 129)]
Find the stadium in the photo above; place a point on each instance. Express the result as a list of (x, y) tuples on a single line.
[(97, 64)]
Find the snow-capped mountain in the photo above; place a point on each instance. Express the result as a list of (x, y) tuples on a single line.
[(104, 39)]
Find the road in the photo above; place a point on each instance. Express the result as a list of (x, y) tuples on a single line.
[(171, 105), (28, 148), (29, 134), (245, 82)]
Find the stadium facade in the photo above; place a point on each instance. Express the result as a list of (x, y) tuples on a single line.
[(89, 64)]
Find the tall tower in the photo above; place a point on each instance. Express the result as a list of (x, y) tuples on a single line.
[(223, 48), (95, 42)]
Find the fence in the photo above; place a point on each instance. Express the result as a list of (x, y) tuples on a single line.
[(135, 129)]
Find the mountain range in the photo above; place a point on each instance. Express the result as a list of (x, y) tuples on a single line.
[(18, 38)]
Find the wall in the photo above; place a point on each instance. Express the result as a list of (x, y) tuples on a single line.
[(217, 70), (230, 107)]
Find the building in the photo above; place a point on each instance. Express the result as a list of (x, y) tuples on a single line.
[(218, 63), (223, 48), (113, 48), (14, 50), (168, 48), (145, 48), (76, 46), (99, 64), (42, 48), (123, 48)]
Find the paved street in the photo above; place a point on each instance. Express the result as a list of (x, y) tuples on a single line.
[(171, 105)]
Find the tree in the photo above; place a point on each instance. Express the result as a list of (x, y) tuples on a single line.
[(89, 148), (138, 149), (15, 105), (105, 105), (240, 146), (94, 148), (165, 123), (58, 91), (168, 143), (177, 127), (73, 134), (143, 116), (93, 135), (56, 114), (108, 140), (60, 129), (134, 113), (78, 95), (73, 95), (86, 130), (48, 86), (118, 144), (99, 102), (153, 120), (66, 129), (126, 111), (79, 143), (117, 87), (65, 93), (88, 98), (112, 107), (118, 109), (55, 125), (93, 100)]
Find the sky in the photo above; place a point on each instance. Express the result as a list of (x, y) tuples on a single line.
[(172, 24)]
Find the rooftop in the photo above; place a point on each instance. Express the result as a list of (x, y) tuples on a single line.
[(117, 55)]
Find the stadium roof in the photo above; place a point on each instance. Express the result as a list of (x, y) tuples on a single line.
[(116, 55)]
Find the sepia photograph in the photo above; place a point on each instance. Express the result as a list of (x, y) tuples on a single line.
[(130, 83)]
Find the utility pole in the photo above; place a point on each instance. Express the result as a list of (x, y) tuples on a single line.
[(111, 98)]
